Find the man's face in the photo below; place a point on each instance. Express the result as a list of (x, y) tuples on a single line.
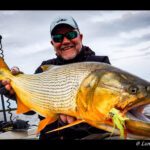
[(67, 48)]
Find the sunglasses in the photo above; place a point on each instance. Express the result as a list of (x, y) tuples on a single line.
[(69, 35)]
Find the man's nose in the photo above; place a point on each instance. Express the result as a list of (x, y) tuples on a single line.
[(65, 40)]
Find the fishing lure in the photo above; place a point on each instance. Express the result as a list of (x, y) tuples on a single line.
[(118, 121)]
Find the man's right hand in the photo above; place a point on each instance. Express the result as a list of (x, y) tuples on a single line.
[(66, 118), (6, 83)]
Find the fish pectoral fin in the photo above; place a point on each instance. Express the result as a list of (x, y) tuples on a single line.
[(21, 108), (45, 122), (67, 126)]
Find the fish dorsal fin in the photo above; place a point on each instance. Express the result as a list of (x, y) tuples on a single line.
[(47, 67), (21, 108), (67, 126)]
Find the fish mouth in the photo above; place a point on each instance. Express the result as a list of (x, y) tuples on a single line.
[(139, 120), (139, 114)]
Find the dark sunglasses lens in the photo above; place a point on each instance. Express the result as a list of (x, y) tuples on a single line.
[(71, 35), (58, 38)]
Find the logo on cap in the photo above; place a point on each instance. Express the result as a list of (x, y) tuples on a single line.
[(61, 20)]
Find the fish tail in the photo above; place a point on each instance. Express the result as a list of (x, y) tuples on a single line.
[(3, 64), (3, 69)]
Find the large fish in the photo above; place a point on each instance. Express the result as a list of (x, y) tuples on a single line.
[(96, 93)]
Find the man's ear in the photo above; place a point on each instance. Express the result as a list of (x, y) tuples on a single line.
[(81, 36), (51, 42)]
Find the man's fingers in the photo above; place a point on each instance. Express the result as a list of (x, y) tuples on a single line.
[(12, 92), (8, 87), (5, 82), (70, 119), (15, 70), (67, 119), (63, 118)]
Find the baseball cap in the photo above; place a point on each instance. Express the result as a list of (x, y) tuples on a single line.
[(68, 20)]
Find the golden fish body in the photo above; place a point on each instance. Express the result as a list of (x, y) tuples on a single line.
[(53, 91), (87, 90)]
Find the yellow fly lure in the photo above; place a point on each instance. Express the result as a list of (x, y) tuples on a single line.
[(118, 121)]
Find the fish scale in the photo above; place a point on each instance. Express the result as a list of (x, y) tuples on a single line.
[(60, 84)]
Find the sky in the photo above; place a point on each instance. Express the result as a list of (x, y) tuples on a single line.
[(124, 36)]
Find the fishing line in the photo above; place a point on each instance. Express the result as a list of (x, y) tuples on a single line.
[(1, 50), (9, 108), (10, 125)]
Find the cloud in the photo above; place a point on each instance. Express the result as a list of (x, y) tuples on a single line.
[(126, 22), (134, 41), (26, 38)]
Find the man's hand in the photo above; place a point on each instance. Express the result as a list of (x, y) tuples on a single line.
[(67, 119), (6, 83)]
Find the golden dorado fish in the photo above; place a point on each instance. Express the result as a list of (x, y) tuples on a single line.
[(96, 93)]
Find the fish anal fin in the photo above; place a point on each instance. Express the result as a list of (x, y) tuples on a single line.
[(45, 122), (67, 126), (21, 108)]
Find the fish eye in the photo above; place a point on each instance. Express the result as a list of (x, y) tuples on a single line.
[(133, 90)]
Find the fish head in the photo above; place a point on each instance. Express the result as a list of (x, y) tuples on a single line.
[(114, 88), (129, 94)]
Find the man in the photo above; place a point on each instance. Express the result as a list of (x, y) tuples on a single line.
[(67, 42)]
